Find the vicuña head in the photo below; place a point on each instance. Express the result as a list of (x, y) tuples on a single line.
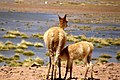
[(55, 39), (62, 22)]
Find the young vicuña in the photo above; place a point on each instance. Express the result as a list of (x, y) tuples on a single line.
[(82, 51)]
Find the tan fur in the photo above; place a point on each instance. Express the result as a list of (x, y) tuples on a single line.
[(77, 51), (55, 39), (53, 36), (81, 50)]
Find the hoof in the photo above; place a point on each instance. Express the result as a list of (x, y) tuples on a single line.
[(59, 79)]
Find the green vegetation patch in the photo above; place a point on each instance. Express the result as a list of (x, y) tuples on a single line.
[(23, 35), (87, 28), (9, 36), (17, 33), (38, 35), (1, 58), (19, 50), (105, 56), (7, 45), (72, 38), (39, 60), (2, 29), (38, 44), (116, 42), (33, 62), (28, 43), (22, 46), (107, 28), (28, 53), (118, 55), (103, 60), (14, 34), (91, 28), (98, 42)]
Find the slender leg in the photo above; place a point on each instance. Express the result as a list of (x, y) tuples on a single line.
[(52, 67), (55, 63), (55, 71), (49, 68), (87, 64), (59, 65), (66, 70), (91, 70), (52, 72), (71, 64), (86, 71)]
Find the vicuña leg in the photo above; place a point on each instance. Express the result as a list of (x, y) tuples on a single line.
[(91, 65), (71, 66), (55, 71), (52, 67), (86, 71), (59, 65), (66, 70), (49, 68), (87, 64)]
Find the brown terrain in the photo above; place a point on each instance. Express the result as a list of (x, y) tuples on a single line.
[(108, 71), (57, 8)]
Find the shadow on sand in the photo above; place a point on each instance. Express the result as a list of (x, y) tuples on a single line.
[(77, 79)]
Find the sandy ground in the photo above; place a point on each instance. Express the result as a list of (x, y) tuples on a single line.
[(109, 71)]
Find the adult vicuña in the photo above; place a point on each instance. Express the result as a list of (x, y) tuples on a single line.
[(55, 39), (81, 50)]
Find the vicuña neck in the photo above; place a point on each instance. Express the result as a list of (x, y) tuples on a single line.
[(61, 27)]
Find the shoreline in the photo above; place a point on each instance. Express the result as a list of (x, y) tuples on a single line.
[(57, 9), (88, 13)]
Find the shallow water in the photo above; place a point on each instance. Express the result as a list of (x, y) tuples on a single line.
[(31, 23)]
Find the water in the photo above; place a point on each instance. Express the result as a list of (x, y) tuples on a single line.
[(31, 23)]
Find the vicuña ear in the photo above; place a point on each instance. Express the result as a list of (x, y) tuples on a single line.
[(59, 17), (65, 16)]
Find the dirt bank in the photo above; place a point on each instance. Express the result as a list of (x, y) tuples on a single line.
[(68, 9)]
